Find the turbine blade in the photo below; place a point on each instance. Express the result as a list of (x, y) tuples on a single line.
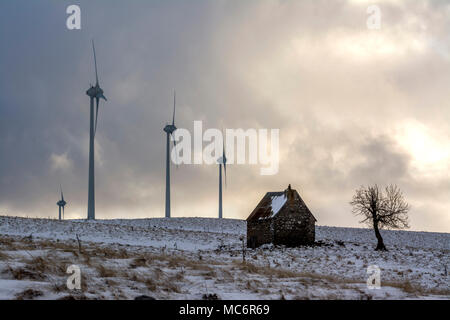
[(174, 104), (104, 98), (225, 172), (95, 62), (224, 158), (62, 195), (96, 116), (175, 146), (63, 212), (223, 146)]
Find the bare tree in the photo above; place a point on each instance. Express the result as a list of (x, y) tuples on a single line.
[(381, 210)]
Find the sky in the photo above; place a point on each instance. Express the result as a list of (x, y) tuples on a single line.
[(354, 105)]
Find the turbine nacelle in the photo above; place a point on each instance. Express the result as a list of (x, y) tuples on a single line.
[(96, 92), (170, 128), (61, 203), (222, 160)]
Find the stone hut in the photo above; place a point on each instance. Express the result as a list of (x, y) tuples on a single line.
[(281, 218)]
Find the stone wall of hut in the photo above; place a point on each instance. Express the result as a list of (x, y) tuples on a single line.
[(259, 232), (291, 227)]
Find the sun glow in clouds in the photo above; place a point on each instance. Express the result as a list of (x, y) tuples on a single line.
[(376, 44), (427, 151)]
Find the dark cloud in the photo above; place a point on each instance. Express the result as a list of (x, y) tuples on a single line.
[(338, 92)]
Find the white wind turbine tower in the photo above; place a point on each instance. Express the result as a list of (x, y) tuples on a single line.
[(222, 161), (97, 94), (169, 129)]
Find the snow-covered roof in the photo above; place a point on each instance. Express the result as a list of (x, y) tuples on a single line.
[(277, 203), (273, 203)]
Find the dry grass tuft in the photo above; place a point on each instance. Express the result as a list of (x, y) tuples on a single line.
[(76, 297), (138, 262), (106, 272), (47, 265), (6, 241), (172, 287), (110, 253), (4, 256), (210, 274), (24, 274), (151, 284), (264, 270), (411, 288), (29, 294), (179, 276)]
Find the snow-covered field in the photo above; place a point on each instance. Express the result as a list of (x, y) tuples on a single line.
[(186, 258)]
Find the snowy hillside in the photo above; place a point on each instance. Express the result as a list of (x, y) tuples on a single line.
[(185, 258)]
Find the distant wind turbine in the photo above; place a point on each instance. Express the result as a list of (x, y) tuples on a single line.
[(169, 129), (61, 203), (222, 161), (97, 94)]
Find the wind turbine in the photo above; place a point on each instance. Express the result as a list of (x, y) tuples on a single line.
[(222, 161), (61, 203), (169, 129), (94, 92)]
